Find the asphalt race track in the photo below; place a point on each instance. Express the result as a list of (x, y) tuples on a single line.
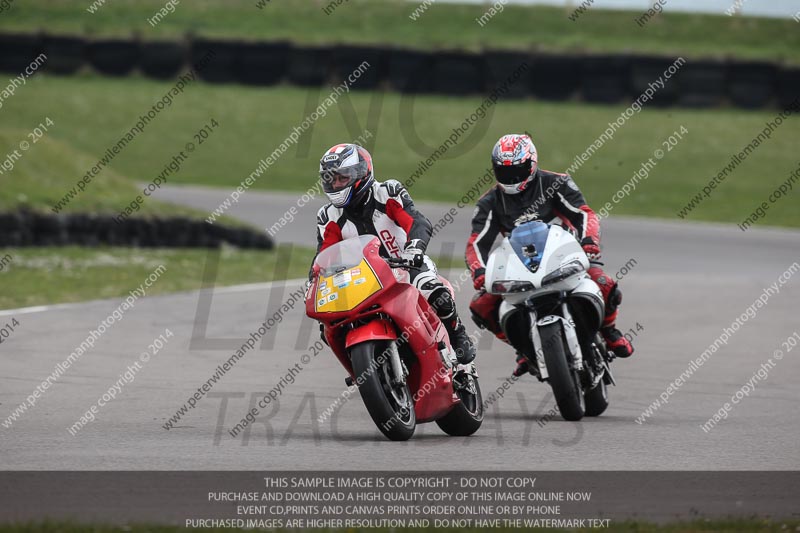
[(687, 283)]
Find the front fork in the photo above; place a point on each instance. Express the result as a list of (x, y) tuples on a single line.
[(570, 334), (399, 372)]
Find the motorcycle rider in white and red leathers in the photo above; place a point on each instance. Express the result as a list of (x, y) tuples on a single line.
[(360, 205), (525, 192)]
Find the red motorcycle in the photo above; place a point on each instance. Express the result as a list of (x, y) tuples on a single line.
[(391, 342)]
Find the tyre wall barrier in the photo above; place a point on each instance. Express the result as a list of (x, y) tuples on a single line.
[(409, 71), (606, 79), (115, 57), (644, 73), (163, 59), (703, 83), (263, 63), (26, 228), (501, 65), (458, 74), (345, 60), (309, 66), (224, 64), (752, 85), (555, 77), (65, 55), (18, 51), (788, 86)]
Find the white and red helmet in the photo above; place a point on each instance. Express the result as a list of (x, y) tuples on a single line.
[(514, 160), (346, 173)]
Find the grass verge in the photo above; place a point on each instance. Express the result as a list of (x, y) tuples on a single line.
[(38, 276), (441, 25), (90, 114), (50, 167)]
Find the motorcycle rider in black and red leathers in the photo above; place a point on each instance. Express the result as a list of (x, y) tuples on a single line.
[(525, 192), (360, 205)]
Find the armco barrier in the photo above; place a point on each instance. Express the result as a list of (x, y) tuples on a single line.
[(115, 57), (163, 59), (610, 78), (65, 55), (263, 63), (27, 228)]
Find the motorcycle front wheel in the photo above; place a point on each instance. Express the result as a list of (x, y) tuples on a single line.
[(597, 399), (564, 381), (467, 416), (389, 404)]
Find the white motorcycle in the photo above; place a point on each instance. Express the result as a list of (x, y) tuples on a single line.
[(551, 313)]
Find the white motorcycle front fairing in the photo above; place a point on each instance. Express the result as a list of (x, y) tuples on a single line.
[(560, 250)]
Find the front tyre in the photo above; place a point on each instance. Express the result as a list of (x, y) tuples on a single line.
[(389, 404), (564, 380), (467, 416)]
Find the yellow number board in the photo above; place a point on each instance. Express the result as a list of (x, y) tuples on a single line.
[(346, 290)]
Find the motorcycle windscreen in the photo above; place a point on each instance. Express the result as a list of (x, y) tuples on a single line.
[(346, 290), (343, 255), (345, 277), (528, 241)]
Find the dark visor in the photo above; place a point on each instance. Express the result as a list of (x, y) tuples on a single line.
[(512, 174)]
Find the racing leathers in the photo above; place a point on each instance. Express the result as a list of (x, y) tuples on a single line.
[(389, 213), (549, 196)]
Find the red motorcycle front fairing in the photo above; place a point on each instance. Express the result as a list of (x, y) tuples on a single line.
[(397, 310), (377, 330)]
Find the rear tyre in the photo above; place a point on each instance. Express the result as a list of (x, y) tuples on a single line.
[(564, 381), (597, 399), (466, 417), (390, 405)]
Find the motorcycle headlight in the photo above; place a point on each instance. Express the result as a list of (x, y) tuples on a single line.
[(511, 286), (563, 272)]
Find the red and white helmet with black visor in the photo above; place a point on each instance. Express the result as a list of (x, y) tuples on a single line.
[(515, 161), (346, 174)]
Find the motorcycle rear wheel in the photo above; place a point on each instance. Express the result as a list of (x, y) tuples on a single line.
[(564, 381), (390, 405)]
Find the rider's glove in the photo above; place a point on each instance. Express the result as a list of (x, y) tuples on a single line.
[(413, 256), (591, 247), (479, 278)]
